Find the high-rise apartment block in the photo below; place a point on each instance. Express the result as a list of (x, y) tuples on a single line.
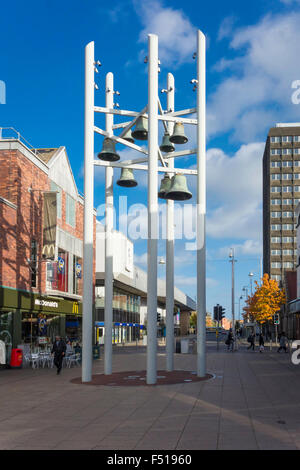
[(281, 194)]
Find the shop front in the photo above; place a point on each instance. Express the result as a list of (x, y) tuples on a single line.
[(31, 321)]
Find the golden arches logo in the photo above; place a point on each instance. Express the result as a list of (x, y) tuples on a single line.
[(75, 308)]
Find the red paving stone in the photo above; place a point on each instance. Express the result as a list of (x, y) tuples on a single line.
[(138, 378)]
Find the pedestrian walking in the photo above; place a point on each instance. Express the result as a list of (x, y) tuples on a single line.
[(59, 351), (261, 343), (251, 340), (229, 341), (282, 342)]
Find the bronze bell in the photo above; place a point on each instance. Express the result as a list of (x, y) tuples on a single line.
[(178, 190), (128, 137), (165, 185), (178, 136), (141, 129), (166, 145), (108, 152), (127, 179)]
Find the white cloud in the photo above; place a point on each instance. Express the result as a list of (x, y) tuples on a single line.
[(234, 192), (248, 247), (257, 93), (226, 27), (177, 38)]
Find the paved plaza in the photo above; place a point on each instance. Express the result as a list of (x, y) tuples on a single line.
[(251, 403)]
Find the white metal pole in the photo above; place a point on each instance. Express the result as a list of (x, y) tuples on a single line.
[(232, 298), (109, 223), (152, 209), (201, 205), (170, 245), (87, 303)]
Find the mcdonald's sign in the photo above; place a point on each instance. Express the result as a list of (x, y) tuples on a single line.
[(75, 308)]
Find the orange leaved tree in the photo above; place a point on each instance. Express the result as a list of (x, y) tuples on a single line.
[(265, 302)]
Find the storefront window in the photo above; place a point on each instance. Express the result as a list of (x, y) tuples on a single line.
[(39, 330)]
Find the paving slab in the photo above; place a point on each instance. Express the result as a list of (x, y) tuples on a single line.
[(251, 403)]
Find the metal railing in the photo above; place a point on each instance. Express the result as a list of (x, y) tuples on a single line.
[(9, 133)]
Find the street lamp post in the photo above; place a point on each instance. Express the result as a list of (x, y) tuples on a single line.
[(232, 260), (250, 277)]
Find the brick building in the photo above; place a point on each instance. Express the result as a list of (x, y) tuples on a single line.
[(40, 290)]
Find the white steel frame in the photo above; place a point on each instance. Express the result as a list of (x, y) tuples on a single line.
[(151, 157)]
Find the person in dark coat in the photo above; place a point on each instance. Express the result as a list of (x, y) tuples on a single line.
[(59, 350), (261, 343), (251, 340)]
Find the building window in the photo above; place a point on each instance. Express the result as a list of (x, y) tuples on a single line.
[(296, 201), (297, 151), (287, 151), (287, 139), (54, 187), (287, 176), (287, 164), (287, 214), (275, 252), (275, 202), (287, 264), (296, 138), (62, 270), (77, 274), (287, 189), (287, 252), (276, 164), (275, 239), (296, 176), (276, 277), (287, 239), (33, 262), (287, 202), (276, 227), (287, 227), (275, 176), (275, 151), (70, 211), (275, 140), (275, 215), (275, 189), (296, 189), (276, 265)]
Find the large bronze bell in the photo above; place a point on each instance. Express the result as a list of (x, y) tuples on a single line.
[(166, 145), (178, 136), (128, 137), (141, 129), (178, 190), (108, 152), (127, 179), (165, 185)]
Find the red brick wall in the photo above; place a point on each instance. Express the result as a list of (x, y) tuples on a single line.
[(20, 174), (19, 226)]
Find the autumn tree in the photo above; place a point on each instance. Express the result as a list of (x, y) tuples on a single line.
[(265, 302)]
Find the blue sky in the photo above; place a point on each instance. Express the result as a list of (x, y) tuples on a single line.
[(252, 59)]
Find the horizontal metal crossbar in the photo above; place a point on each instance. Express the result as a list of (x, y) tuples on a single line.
[(123, 112), (166, 156), (144, 167)]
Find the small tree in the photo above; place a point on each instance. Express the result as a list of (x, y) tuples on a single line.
[(265, 302)]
